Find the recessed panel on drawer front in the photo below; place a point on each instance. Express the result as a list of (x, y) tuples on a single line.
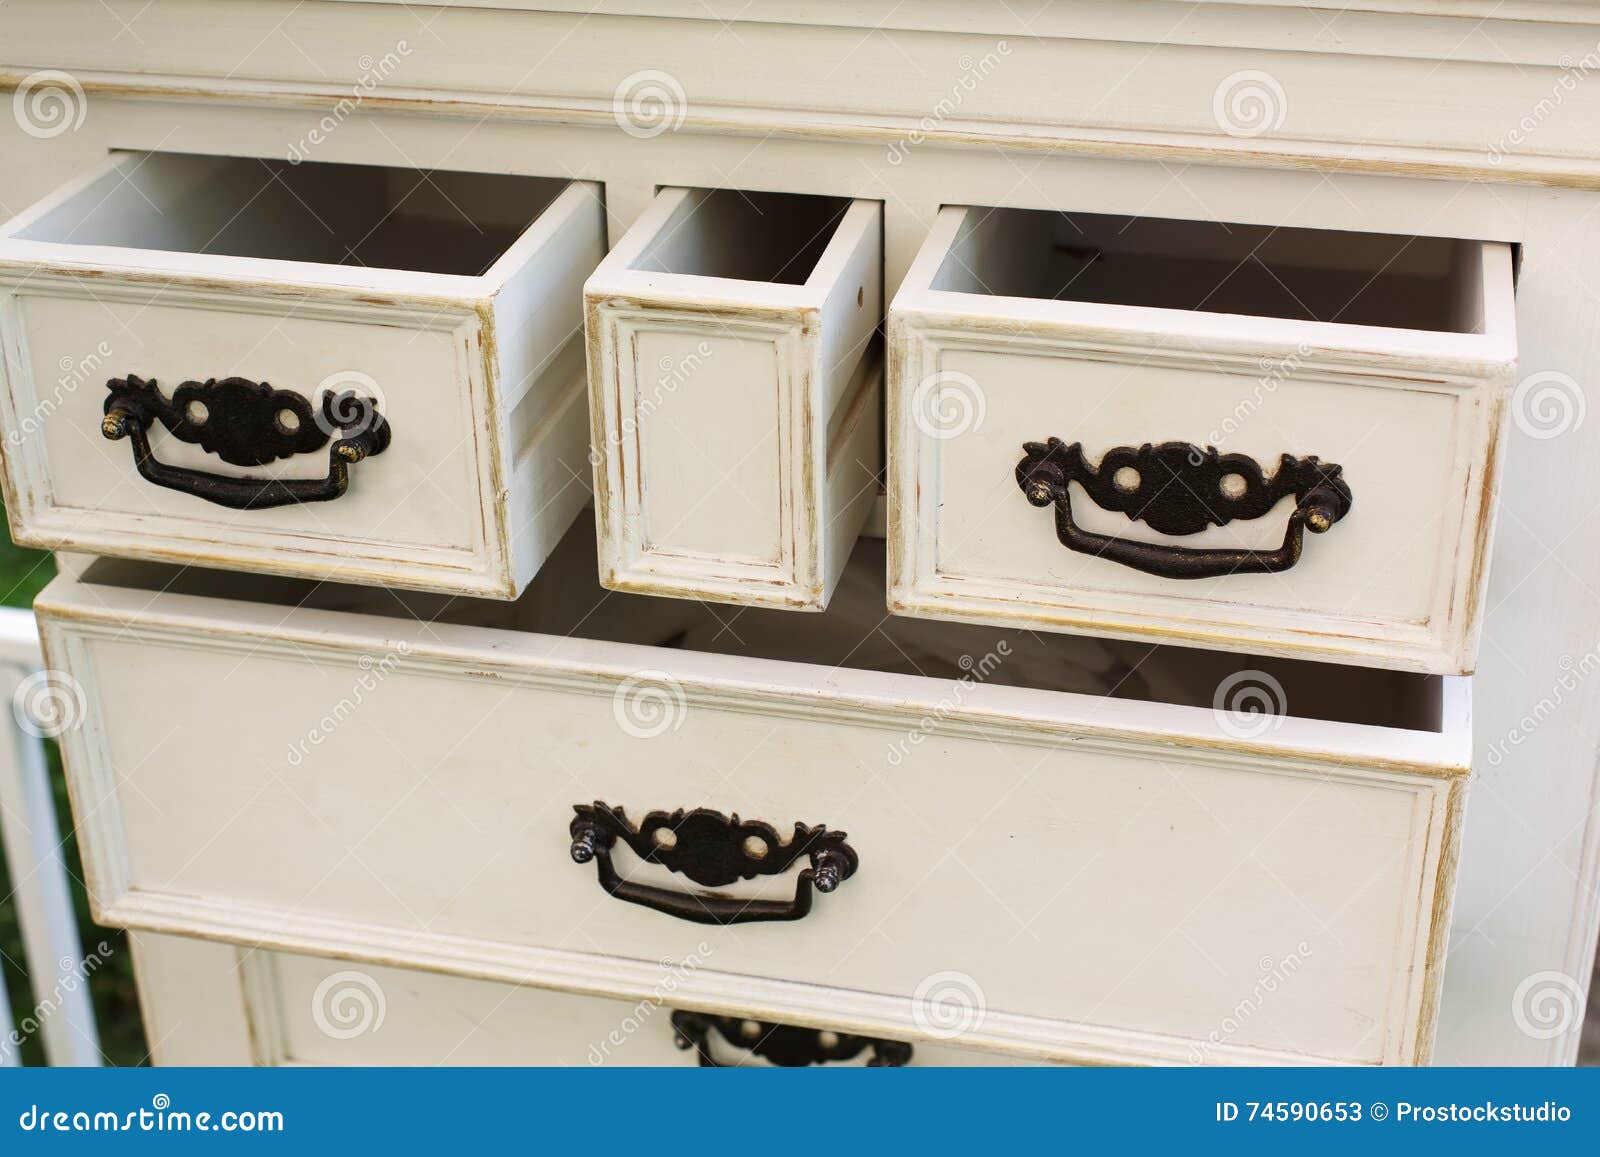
[(1282, 441), (1063, 835), (735, 395), (207, 1003), (323, 370)]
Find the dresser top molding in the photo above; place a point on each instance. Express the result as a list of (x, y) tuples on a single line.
[(1472, 89), (1187, 21)]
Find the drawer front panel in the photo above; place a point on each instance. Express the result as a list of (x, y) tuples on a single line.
[(1405, 454), (1311, 488), (1103, 880), (286, 344), (278, 1008)]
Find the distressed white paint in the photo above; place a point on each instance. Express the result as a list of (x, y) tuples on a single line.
[(210, 1003), (477, 376), (1415, 417), (1129, 127), (1132, 866), (726, 388)]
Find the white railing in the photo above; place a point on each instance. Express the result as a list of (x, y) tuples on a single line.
[(52, 954)]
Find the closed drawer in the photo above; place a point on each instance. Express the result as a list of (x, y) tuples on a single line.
[(1138, 428), (934, 823), (735, 408), (318, 370), (210, 1003)]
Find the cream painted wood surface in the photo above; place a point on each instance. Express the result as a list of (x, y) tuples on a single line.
[(925, 112), (210, 1003), (179, 269), (1138, 79), (726, 334), (1126, 871), (994, 345)]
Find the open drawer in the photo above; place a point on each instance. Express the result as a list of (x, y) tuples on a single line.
[(1283, 441), (1069, 848), (735, 398), (320, 370)]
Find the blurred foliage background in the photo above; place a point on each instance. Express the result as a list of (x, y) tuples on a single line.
[(23, 573)]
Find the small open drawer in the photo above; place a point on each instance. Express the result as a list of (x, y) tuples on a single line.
[(734, 401), (1127, 427), (316, 370)]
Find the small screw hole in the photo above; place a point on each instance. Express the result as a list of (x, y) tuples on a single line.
[(750, 1029), (1126, 479), (665, 838), (1232, 485), (828, 1040), (755, 847), (197, 413), (288, 421)]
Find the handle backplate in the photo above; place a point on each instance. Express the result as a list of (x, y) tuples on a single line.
[(1178, 488), (245, 423), (713, 850)]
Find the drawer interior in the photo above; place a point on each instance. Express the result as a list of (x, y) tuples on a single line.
[(746, 236), (1373, 279), (566, 600), (329, 214)]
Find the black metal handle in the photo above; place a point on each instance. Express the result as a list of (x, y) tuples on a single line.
[(713, 850), (1179, 488), (245, 423), (782, 1044)]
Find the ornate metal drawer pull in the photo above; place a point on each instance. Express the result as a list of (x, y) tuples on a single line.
[(245, 423), (713, 850), (1178, 488), (782, 1044)]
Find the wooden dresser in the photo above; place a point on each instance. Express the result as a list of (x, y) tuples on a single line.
[(955, 532)]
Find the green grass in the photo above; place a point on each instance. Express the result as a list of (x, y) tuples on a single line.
[(23, 574)]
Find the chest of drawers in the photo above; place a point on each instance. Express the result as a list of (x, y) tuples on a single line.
[(1080, 837)]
